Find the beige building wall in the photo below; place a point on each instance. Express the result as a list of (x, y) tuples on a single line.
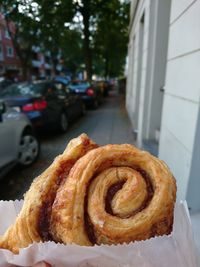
[(138, 47), (182, 97), (163, 86), (147, 61)]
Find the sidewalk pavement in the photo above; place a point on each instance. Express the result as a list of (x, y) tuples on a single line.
[(110, 122)]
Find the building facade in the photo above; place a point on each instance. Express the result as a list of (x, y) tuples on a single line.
[(9, 62), (163, 92), (10, 65), (41, 64)]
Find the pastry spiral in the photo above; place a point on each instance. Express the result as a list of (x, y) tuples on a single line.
[(109, 195)]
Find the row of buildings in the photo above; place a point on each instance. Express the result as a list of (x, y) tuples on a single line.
[(9, 62), (163, 87), (10, 65)]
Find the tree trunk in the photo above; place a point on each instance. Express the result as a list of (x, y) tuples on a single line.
[(24, 73), (85, 10), (26, 64)]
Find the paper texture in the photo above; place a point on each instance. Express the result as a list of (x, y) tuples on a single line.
[(175, 250)]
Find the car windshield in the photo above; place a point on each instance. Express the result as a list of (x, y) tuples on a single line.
[(22, 89), (79, 85)]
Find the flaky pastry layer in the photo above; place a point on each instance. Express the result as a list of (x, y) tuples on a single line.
[(96, 195)]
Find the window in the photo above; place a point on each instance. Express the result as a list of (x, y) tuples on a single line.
[(7, 35), (21, 89), (10, 52), (60, 89)]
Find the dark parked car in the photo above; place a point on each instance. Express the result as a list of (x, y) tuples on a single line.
[(46, 103), (90, 93), (105, 87)]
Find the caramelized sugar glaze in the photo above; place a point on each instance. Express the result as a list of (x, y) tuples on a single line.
[(114, 194)]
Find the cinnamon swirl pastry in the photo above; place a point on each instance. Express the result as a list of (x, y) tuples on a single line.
[(96, 195)]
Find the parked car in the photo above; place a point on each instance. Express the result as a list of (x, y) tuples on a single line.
[(4, 83), (62, 79), (105, 87), (47, 104), (90, 94), (18, 143)]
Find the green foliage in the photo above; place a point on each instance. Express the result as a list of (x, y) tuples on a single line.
[(90, 33), (72, 52), (111, 37), (52, 16)]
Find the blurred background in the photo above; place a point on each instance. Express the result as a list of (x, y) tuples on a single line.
[(61, 73), (121, 71)]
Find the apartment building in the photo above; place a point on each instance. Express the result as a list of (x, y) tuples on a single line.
[(163, 87), (9, 62)]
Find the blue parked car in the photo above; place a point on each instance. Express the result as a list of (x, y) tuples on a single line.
[(62, 79), (90, 94)]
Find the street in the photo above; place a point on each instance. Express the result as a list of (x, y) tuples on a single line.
[(107, 124)]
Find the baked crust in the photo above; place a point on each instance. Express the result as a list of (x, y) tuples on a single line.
[(96, 195), (141, 209)]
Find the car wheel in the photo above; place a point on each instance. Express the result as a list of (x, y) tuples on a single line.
[(63, 123), (29, 148)]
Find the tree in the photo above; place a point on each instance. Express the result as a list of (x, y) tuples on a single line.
[(53, 17), (111, 37), (105, 32), (90, 33), (84, 8), (72, 50)]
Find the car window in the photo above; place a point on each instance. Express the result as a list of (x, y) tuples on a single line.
[(83, 83), (60, 89), (79, 85), (4, 84), (50, 91), (24, 89)]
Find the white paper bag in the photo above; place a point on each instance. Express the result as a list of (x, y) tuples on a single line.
[(175, 250)]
